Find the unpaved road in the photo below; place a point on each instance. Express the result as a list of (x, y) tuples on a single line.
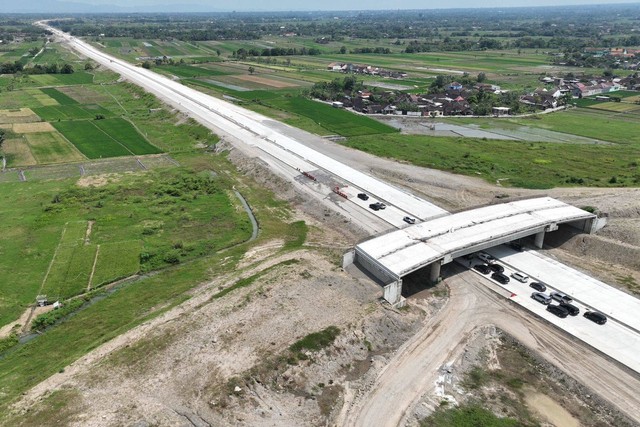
[(413, 371)]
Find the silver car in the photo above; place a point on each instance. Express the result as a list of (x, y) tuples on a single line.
[(542, 298)]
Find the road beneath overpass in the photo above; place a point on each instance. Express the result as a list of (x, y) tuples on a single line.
[(474, 303)]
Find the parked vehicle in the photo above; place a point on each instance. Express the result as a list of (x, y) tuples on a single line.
[(520, 277), (497, 268), (560, 297), (540, 287), (517, 246), (500, 278), (486, 257), (572, 309), (409, 220), (482, 268), (363, 196), (541, 298), (557, 310), (595, 316)]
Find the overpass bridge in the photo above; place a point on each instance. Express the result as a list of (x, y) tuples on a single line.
[(438, 241)]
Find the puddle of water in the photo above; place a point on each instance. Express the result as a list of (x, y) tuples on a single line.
[(549, 410)]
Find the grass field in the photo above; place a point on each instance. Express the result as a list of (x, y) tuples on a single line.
[(115, 261), (105, 138), (518, 164)]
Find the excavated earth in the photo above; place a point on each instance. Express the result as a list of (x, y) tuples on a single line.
[(226, 361)]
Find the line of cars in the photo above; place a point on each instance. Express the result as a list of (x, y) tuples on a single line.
[(378, 206), (562, 309)]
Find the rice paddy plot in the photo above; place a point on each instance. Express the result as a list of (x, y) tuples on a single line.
[(184, 70), (85, 94), (105, 138), (21, 115), (77, 78), (17, 153), (333, 119), (71, 112), (62, 98), (616, 107), (51, 147), (90, 140), (124, 132)]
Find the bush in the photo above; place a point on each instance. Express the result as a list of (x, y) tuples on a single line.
[(317, 340), (50, 318)]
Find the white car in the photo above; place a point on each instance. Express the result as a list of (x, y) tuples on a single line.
[(486, 257), (520, 277)]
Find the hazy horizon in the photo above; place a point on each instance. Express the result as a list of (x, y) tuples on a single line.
[(53, 6)]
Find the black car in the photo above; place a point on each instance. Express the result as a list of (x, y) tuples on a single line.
[(496, 268), (377, 206), (482, 268), (538, 286), (409, 220), (595, 316), (517, 246), (558, 310), (363, 196), (500, 278), (572, 309)]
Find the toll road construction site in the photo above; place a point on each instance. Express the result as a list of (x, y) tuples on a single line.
[(409, 239)]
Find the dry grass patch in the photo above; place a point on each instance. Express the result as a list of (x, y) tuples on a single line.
[(51, 147), (83, 95), (33, 127), (266, 81), (18, 153), (22, 115)]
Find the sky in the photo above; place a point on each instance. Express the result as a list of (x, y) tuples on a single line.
[(273, 5)]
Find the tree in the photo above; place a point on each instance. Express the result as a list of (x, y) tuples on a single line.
[(66, 69), (146, 65), (251, 70), (88, 66), (343, 50), (481, 77)]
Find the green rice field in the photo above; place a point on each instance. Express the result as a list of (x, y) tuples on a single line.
[(71, 112), (105, 138)]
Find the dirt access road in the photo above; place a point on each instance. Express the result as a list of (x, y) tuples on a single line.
[(414, 369)]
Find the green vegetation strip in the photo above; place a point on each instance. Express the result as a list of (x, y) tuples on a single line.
[(519, 164), (467, 416)]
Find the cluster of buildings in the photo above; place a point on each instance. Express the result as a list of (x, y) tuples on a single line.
[(453, 101), (620, 57), (565, 89), (365, 69)]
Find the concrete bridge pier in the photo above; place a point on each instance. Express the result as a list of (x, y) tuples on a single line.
[(434, 276), (539, 240)]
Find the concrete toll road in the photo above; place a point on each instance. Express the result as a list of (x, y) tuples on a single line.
[(261, 137)]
